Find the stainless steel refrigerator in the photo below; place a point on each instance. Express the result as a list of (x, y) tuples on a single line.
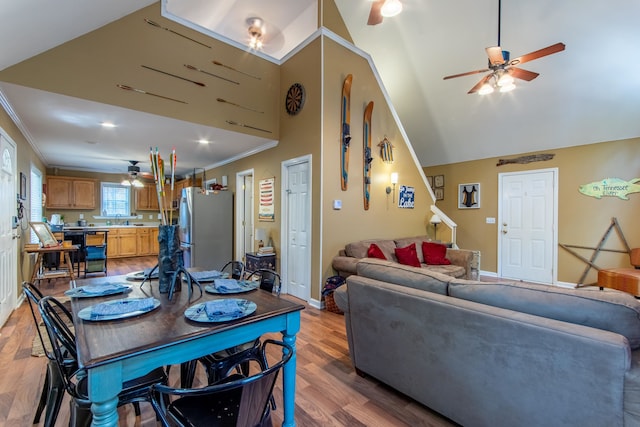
[(206, 228)]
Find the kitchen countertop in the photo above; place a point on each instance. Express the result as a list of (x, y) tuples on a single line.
[(105, 227)]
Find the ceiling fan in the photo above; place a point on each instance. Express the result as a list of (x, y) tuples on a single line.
[(381, 9), (133, 171), (502, 69)]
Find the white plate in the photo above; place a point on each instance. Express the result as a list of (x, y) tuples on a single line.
[(140, 275), (198, 313), (87, 312), (92, 291), (245, 286)]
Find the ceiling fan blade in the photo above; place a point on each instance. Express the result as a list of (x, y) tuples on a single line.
[(495, 55), (375, 16), (521, 74), (554, 48), (480, 84), (466, 74)]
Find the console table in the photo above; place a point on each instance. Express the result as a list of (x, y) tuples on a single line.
[(255, 261)]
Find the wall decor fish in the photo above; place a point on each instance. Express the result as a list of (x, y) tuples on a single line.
[(611, 187)]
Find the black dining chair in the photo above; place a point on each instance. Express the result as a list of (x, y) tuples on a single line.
[(63, 343), (53, 388), (236, 400), (269, 280), (235, 269)]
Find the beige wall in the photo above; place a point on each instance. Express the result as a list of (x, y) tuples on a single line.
[(582, 220)]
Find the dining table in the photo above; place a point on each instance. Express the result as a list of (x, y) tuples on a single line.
[(117, 350)]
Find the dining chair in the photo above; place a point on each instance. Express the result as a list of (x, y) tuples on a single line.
[(53, 388), (237, 400), (63, 343), (269, 280), (235, 269)]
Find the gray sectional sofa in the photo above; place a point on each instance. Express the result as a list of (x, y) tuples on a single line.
[(496, 353), (345, 262)]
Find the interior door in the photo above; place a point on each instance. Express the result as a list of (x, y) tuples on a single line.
[(244, 214), (297, 225), (8, 242), (527, 226)]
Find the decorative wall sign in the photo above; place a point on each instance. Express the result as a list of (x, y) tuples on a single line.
[(469, 196), (407, 197), (611, 187), (266, 211)]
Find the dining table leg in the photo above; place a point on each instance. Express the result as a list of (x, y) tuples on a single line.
[(289, 374), (105, 382)]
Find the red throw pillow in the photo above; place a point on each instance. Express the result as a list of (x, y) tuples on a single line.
[(375, 252), (435, 253), (408, 255)]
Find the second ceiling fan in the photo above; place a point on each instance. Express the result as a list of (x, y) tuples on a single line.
[(502, 69)]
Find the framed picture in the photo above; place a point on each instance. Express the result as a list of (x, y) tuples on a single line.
[(23, 186), (439, 193), (430, 180), (43, 232), (438, 181), (469, 196)]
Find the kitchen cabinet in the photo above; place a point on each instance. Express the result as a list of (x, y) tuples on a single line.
[(70, 193), (146, 198), (144, 241), (122, 242), (155, 246)]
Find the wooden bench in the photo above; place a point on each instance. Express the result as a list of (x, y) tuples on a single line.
[(623, 279)]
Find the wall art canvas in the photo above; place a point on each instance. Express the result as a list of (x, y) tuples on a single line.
[(469, 196), (266, 211)]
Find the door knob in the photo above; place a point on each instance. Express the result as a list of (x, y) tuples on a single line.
[(504, 231)]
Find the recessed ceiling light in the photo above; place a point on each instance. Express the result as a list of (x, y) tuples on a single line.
[(91, 142), (108, 125), (203, 141)]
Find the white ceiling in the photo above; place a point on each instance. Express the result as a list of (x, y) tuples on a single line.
[(588, 93)]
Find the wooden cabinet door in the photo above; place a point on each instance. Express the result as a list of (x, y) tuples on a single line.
[(59, 192), (112, 243), (144, 244), (128, 242), (84, 194), (153, 239), (146, 198)]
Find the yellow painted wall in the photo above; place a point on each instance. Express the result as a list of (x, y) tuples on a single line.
[(383, 219), (582, 220)]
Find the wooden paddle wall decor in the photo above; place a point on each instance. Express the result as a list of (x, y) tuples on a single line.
[(345, 132)]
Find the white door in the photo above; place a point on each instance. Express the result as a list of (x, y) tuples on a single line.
[(296, 267), (244, 214), (8, 242), (527, 226)]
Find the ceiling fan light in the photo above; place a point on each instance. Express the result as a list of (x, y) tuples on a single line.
[(486, 89), (137, 183), (505, 80), (126, 183), (507, 88), (391, 8)]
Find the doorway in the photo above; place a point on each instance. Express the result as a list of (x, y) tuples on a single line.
[(244, 214), (8, 242), (296, 227), (527, 231)]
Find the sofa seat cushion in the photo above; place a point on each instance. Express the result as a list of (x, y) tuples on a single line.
[(412, 277), (360, 249), (632, 392), (450, 270), (609, 310)]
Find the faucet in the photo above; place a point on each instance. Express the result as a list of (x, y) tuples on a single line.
[(118, 219)]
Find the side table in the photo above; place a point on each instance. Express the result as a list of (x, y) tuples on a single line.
[(255, 261)]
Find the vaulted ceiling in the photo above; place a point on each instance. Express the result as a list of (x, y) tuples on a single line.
[(587, 94)]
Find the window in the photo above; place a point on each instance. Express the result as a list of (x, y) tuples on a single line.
[(115, 199), (35, 200)]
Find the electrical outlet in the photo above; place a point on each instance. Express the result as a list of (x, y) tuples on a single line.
[(139, 216), (81, 216)]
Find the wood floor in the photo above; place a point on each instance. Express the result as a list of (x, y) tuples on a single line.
[(328, 392)]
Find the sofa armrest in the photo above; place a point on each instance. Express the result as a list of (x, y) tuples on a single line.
[(461, 257), (345, 266)]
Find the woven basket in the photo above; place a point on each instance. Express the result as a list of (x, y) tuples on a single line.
[(330, 304)]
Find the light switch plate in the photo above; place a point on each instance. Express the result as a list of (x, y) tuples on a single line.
[(337, 204), (491, 220)]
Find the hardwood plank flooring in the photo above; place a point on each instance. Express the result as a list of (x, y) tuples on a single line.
[(328, 392)]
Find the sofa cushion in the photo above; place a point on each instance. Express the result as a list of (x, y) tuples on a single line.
[(408, 255), (412, 277), (609, 310), (435, 253), (375, 252), (450, 270), (360, 249)]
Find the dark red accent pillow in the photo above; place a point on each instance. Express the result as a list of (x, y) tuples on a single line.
[(408, 255), (375, 252), (434, 253)]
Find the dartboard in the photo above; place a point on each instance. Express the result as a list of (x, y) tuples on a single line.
[(295, 99)]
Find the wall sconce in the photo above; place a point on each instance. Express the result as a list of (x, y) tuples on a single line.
[(394, 181), (435, 220)]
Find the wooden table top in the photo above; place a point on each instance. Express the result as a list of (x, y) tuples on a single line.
[(105, 341), (53, 249)]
